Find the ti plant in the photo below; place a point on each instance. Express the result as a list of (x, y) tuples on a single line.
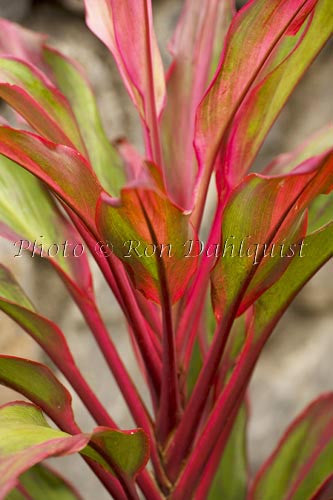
[(198, 315)]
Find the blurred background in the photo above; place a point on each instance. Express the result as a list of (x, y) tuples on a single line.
[(297, 362)]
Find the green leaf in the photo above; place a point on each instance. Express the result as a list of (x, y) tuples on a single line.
[(314, 145), (28, 91), (30, 218), (128, 450), (38, 384), (321, 212), (303, 458), (103, 156), (42, 483), (26, 439)]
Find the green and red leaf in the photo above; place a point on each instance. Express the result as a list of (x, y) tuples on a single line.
[(196, 45), (272, 213), (42, 482), (123, 224), (263, 103), (71, 81), (258, 37), (38, 384), (302, 460), (126, 29), (29, 92), (15, 303), (58, 101), (26, 439), (63, 169), (30, 218)]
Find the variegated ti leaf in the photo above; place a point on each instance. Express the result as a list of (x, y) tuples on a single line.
[(21, 43), (15, 303), (43, 93), (104, 158), (303, 458), (29, 92), (143, 226), (272, 213), (26, 439), (38, 384), (64, 170), (196, 47), (262, 34), (263, 103), (30, 218), (42, 482), (272, 304), (126, 29)]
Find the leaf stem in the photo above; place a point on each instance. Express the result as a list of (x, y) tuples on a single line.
[(153, 125), (169, 407)]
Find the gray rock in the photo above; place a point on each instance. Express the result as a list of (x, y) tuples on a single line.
[(15, 10), (73, 5)]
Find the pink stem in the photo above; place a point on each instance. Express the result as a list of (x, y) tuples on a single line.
[(143, 338), (117, 279), (153, 125), (169, 404), (225, 408), (126, 385), (207, 478), (195, 300), (183, 436)]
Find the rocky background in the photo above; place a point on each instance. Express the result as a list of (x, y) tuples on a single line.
[(296, 364)]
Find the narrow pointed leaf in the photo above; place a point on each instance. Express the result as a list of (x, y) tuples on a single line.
[(255, 36), (263, 104), (272, 304), (73, 84), (41, 482), (15, 303), (122, 223), (26, 439), (67, 77), (21, 43), (315, 145), (126, 29), (61, 168), (274, 214), (30, 218), (38, 384), (199, 35), (29, 92), (302, 460)]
